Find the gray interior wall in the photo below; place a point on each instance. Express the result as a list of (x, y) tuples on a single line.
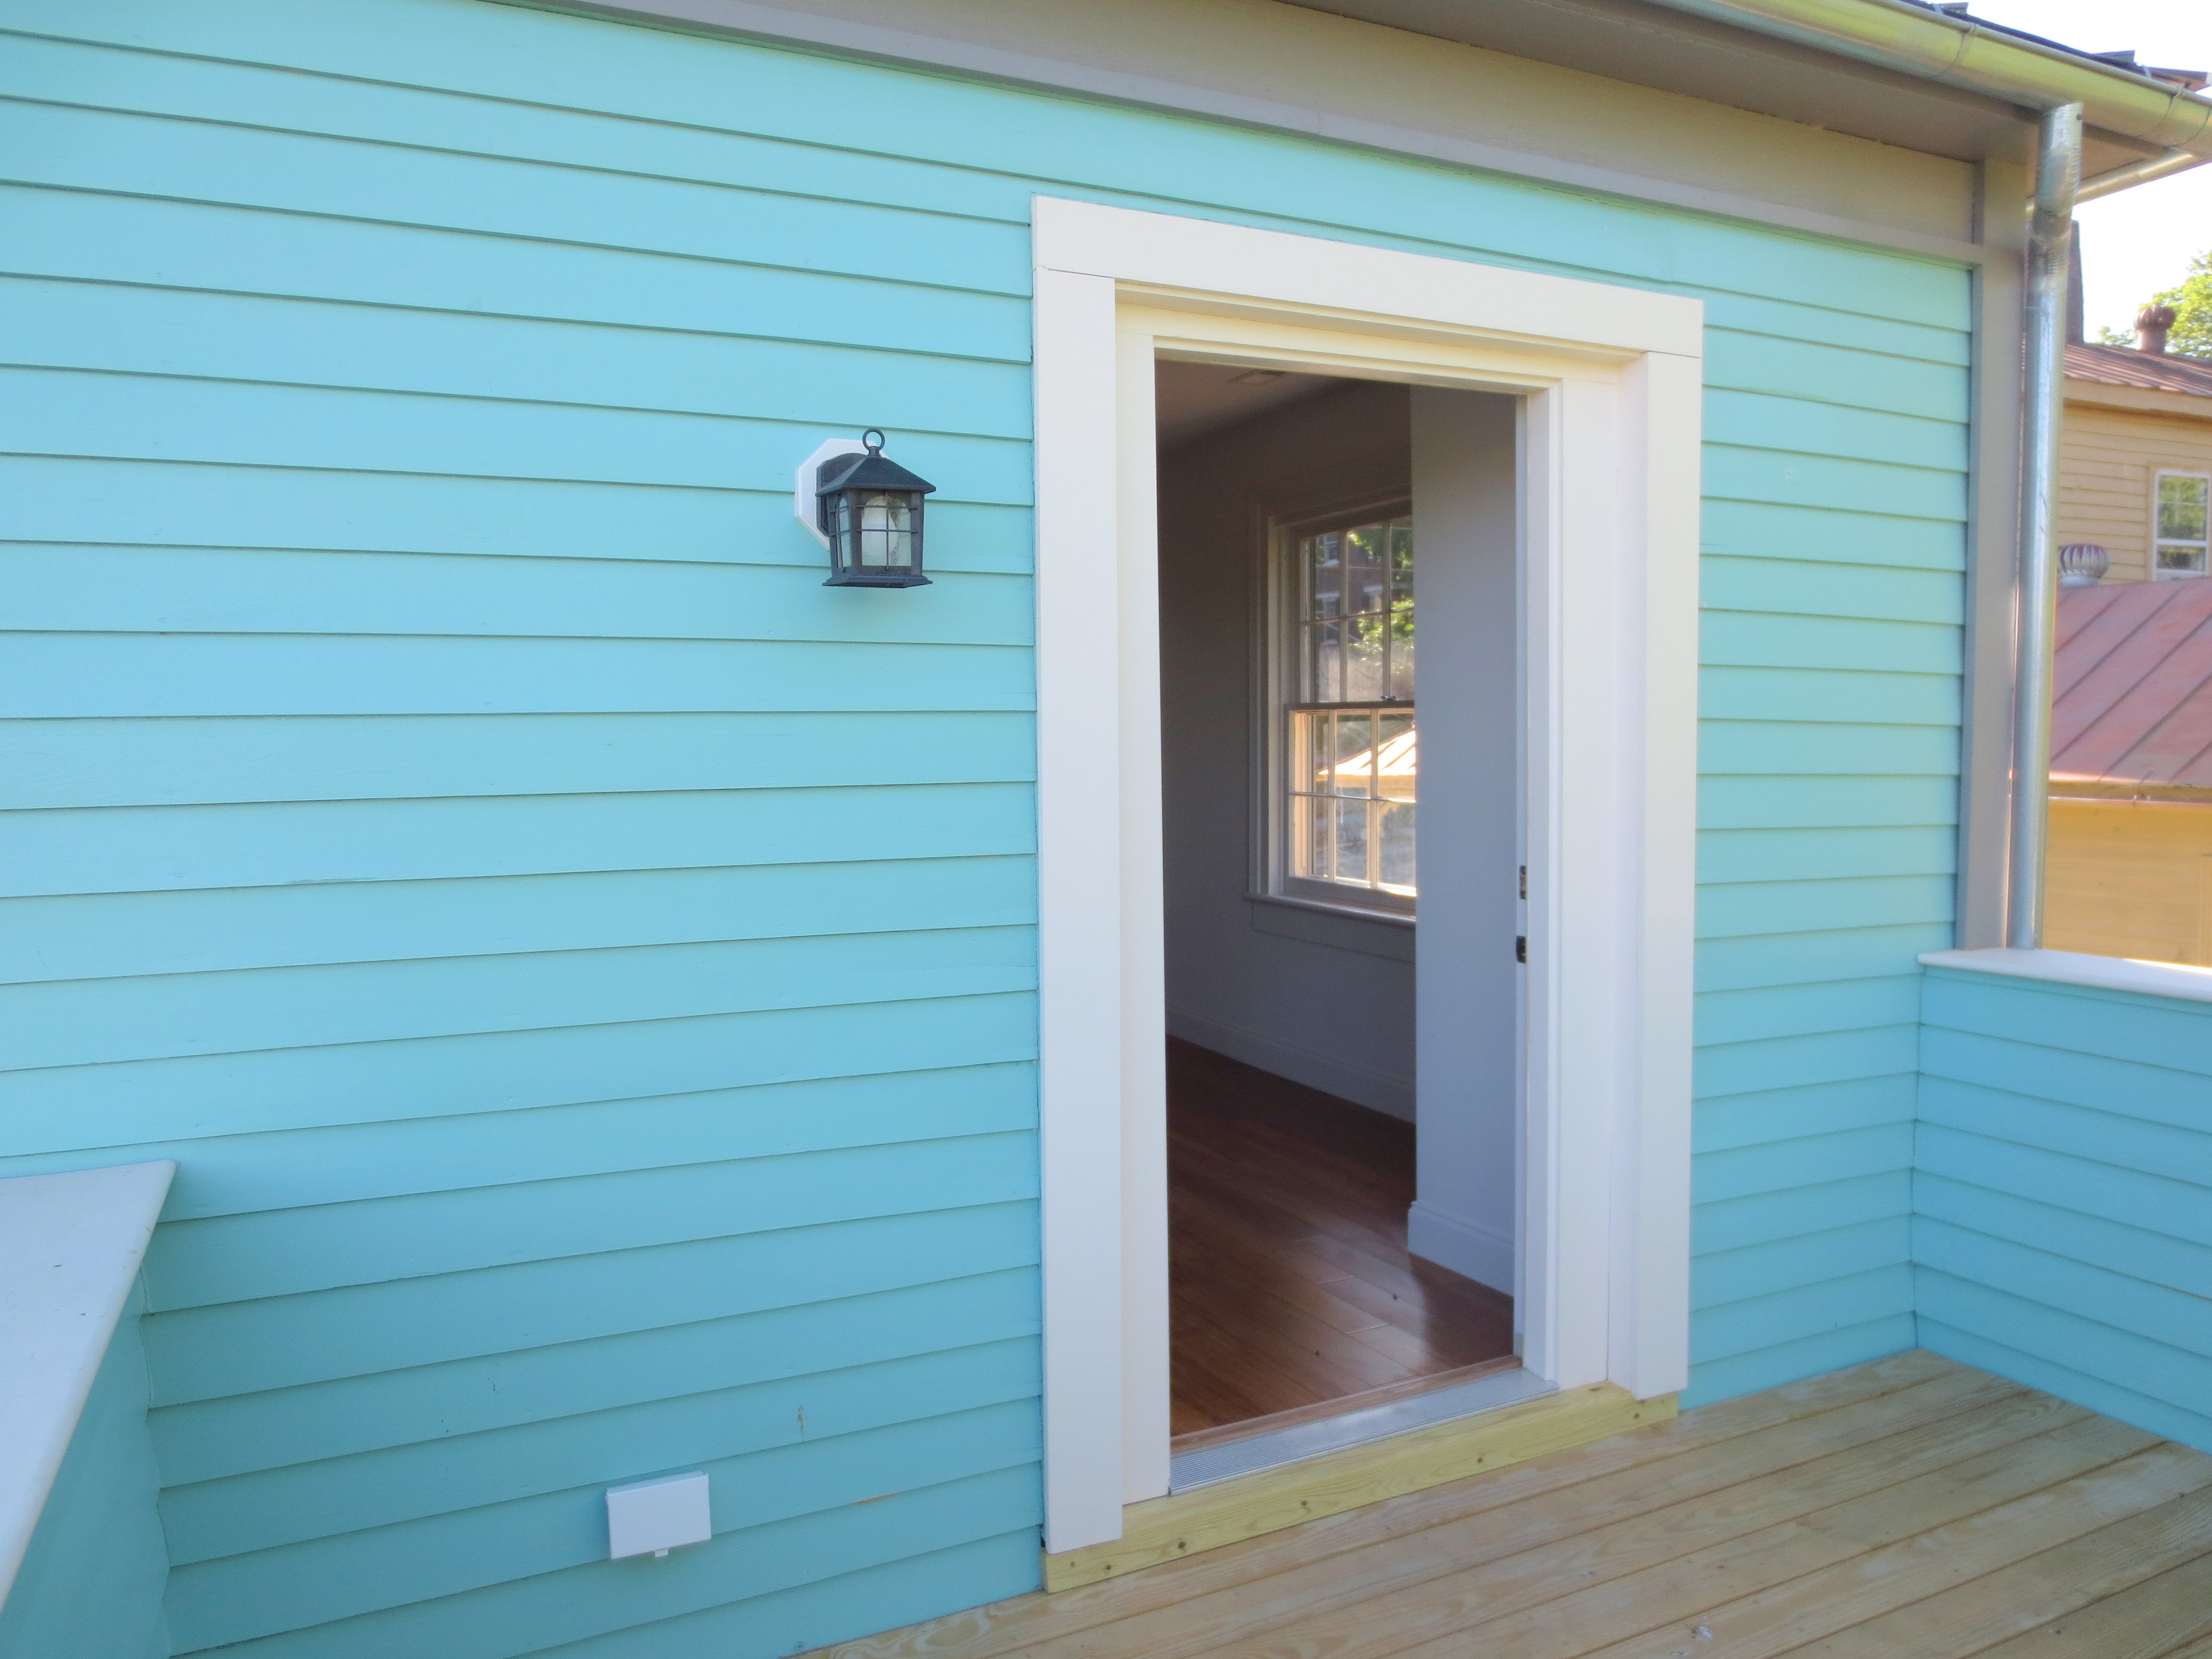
[(1320, 997), (1467, 519)]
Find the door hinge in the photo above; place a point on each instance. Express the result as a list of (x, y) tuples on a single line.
[(1524, 881), (1521, 948)]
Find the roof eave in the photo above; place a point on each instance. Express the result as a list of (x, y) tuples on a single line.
[(1961, 53)]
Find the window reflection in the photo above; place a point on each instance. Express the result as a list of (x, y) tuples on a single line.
[(1355, 748)]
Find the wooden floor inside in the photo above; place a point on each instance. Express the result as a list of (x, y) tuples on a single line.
[(1908, 1509), (1291, 1286)]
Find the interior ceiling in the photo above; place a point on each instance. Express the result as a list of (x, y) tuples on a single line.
[(1192, 400), (1655, 46)]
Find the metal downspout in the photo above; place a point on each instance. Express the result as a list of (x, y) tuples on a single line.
[(2057, 174)]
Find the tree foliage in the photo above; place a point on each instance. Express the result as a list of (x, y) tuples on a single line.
[(2191, 300)]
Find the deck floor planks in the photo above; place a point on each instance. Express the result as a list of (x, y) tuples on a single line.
[(2140, 1621), (1789, 1616), (1618, 1611), (1907, 1506), (2049, 1588), (1009, 1627), (1473, 1569)]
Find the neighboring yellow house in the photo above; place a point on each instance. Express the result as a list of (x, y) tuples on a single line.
[(2130, 852), (2132, 419)]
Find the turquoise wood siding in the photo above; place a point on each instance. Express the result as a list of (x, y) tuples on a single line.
[(91, 1581), (1834, 594), (2063, 1193), (583, 967)]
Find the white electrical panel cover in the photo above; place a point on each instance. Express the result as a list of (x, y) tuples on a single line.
[(655, 1517)]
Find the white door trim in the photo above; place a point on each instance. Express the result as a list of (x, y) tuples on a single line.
[(1611, 377)]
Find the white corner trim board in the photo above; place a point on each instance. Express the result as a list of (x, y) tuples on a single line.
[(1611, 380), (69, 1249), (2152, 979)]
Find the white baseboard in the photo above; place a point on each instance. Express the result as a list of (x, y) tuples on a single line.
[(1475, 1252), (1391, 1094)]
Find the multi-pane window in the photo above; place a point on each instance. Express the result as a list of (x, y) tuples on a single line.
[(2181, 508), (1351, 754)]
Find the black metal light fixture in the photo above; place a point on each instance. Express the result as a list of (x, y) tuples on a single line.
[(869, 510)]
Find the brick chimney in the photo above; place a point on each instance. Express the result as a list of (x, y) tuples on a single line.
[(2151, 324)]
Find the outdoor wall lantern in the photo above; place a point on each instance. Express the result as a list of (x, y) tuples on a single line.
[(866, 511)]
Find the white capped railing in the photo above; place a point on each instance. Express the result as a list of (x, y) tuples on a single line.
[(70, 1246)]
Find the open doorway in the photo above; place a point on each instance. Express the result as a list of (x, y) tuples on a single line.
[(1576, 1173), (1341, 812)]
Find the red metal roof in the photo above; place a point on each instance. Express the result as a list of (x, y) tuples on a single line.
[(2118, 365), (2131, 702)]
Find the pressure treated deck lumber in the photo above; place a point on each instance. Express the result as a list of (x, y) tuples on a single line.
[(1168, 1529), (2046, 1588), (1909, 1507), (1615, 1618), (1611, 1578), (1027, 1621), (2141, 1621), (1646, 1500)]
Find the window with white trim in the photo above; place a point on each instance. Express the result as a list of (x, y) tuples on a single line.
[(2181, 515), (1345, 786)]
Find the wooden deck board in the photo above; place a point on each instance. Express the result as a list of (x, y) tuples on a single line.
[(1462, 1580), (1810, 1565), (2139, 1621), (1474, 1569), (1910, 1506)]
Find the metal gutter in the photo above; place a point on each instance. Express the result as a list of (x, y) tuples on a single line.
[(1958, 52), (2139, 172)]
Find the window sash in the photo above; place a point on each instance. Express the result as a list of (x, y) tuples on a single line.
[(2181, 524), (1343, 789)]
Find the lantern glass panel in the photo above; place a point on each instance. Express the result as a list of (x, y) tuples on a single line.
[(885, 529)]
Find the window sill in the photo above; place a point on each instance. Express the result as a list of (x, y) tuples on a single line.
[(1342, 926), (1357, 912), (2156, 979)]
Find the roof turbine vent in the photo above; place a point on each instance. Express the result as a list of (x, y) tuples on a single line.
[(2083, 564)]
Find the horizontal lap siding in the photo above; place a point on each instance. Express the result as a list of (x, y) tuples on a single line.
[(582, 966), (2109, 460), (1832, 594), (2062, 1232)]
